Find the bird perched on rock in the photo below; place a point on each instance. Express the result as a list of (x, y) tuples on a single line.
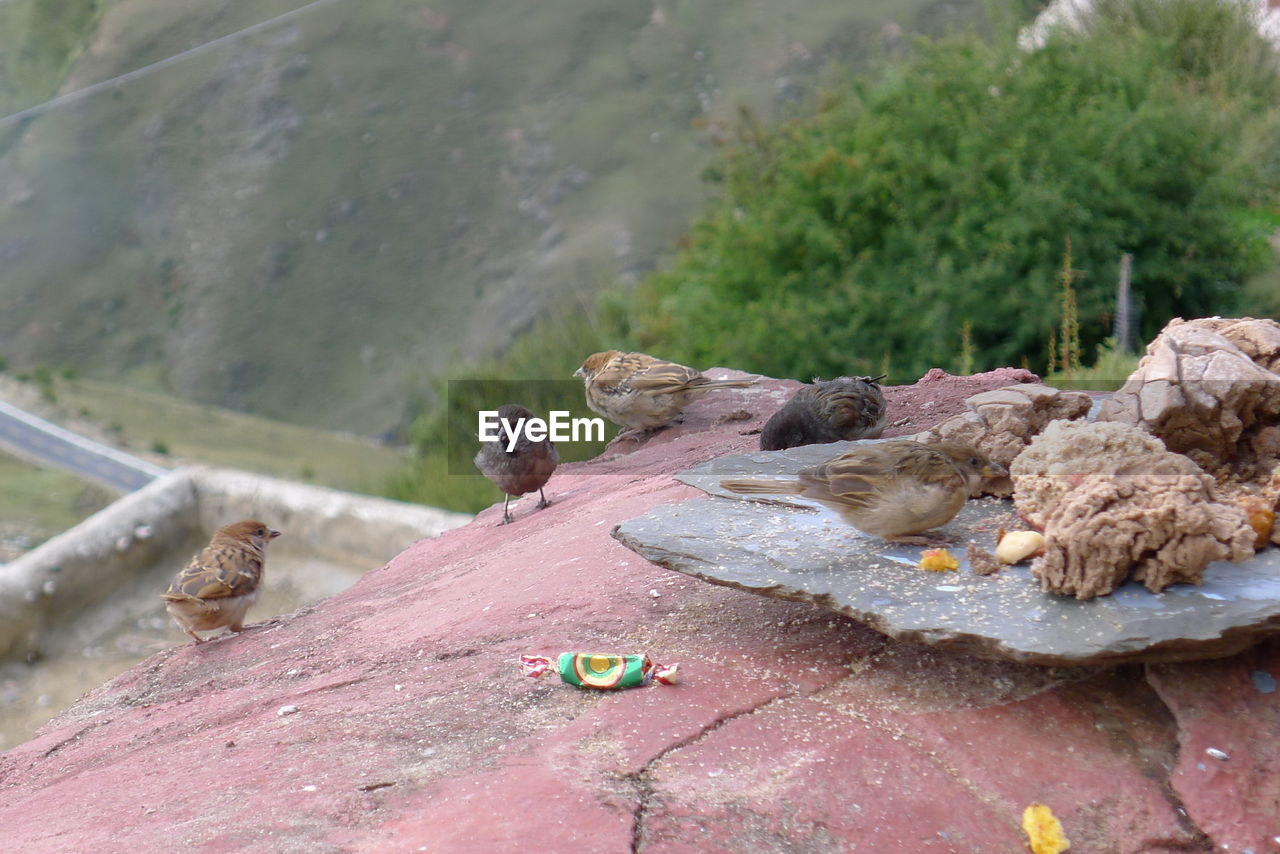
[(893, 489), (641, 393), (827, 411), (517, 467), (218, 585)]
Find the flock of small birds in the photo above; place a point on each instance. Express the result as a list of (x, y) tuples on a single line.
[(896, 489)]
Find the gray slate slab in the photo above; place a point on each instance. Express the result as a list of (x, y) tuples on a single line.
[(791, 548)]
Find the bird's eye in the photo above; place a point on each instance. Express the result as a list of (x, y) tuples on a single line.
[(262, 532)]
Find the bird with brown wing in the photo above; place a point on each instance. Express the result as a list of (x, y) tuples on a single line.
[(218, 585), (641, 393), (520, 466), (894, 489), (844, 408)]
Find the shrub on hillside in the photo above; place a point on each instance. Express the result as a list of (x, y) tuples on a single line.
[(941, 195)]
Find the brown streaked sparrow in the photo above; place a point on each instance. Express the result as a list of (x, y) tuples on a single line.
[(827, 411), (891, 489), (218, 585), (641, 393)]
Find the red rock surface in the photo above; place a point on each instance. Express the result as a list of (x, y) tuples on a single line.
[(794, 729)]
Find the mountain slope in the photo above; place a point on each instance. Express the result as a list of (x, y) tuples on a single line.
[(312, 216)]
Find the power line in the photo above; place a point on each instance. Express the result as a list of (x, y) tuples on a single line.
[(79, 94)]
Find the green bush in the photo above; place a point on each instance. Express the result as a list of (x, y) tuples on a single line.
[(918, 218), (43, 377), (938, 197)]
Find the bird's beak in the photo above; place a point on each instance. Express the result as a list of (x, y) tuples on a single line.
[(993, 469), (579, 373), (272, 533)]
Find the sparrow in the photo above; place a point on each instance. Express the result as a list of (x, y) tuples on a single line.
[(524, 468), (641, 393), (827, 411), (218, 585), (893, 489)]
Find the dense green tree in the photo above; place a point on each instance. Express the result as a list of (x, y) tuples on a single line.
[(941, 196), (943, 193)]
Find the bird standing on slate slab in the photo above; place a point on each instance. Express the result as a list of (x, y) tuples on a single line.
[(894, 489), (844, 408)]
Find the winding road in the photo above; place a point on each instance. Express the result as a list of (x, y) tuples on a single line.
[(26, 435)]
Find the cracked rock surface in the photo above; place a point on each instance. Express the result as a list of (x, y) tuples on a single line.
[(791, 548), (794, 728), (1209, 389)]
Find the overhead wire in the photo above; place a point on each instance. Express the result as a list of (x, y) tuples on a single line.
[(86, 91)]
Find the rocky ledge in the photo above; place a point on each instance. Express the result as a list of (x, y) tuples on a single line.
[(393, 717), (792, 548)]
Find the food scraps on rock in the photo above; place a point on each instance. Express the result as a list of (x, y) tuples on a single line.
[(981, 561), (1044, 831), (938, 560), (1115, 504), (1017, 546)]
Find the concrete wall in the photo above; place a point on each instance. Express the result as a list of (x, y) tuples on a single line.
[(341, 526), (80, 568)]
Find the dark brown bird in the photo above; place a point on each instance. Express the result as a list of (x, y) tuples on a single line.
[(891, 489), (522, 469), (641, 393), (844, 408), (218, 585)]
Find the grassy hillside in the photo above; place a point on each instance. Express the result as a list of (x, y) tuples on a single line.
[(313, 218), (38, 503), (38, 43), (173, 432)]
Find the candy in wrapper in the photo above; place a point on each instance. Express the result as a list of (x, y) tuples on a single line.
[(605, 671)]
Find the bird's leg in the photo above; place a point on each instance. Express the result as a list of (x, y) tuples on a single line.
[(543, 502), (635, 434), (188, 630), (506, 517)]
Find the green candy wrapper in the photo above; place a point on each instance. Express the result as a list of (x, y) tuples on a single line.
[(604, 671)]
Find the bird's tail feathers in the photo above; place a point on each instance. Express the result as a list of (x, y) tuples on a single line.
[(191, 602), (753, 486), (725, 384)]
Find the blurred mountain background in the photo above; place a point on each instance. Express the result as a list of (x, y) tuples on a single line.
[(311, 218), (319, 212)]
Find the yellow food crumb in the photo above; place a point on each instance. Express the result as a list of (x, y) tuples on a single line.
[(1261, 517), (1044, 830), (938, 560)]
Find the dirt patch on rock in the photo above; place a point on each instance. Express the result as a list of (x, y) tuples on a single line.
[(939, 395)]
